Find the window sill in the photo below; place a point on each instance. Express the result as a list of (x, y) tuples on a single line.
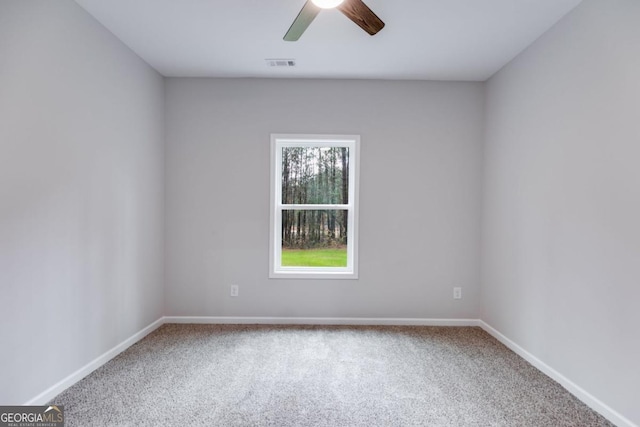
[(301, 274)]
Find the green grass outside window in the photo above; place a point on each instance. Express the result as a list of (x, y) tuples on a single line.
[(314, 257)]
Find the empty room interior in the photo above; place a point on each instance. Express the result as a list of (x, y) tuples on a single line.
[(260, 213)]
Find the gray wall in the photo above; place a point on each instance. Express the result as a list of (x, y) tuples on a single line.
[(419, 196), (561, 243), (81, 194)]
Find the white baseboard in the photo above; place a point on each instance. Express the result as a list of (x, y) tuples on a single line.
[(70, 380), (379, 321), (597, 405), (586, 397)]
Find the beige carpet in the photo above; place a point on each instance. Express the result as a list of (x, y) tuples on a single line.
[(222, 375)]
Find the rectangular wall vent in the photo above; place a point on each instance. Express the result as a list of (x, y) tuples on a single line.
[(281, 62)]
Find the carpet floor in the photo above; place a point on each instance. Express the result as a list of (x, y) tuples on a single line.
[(258, 375)]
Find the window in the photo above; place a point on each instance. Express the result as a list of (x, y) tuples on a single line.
[(314, 201)]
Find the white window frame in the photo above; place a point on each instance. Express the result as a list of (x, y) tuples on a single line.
[(276, 270)]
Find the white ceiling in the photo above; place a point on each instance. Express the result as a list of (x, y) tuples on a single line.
[(422, 39)]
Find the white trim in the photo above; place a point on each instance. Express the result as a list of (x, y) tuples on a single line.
[(313, 207), (70, 380), (586, 397), (380, 321)]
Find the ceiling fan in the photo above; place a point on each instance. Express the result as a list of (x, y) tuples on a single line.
[(355, 10)]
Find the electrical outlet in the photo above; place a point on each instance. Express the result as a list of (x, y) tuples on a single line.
[(457, 293), (235, 290)]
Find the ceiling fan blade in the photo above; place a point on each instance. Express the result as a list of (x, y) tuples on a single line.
[(360, 13), (307, 14)]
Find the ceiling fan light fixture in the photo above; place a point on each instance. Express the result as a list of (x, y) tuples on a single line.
[(355, 10), (327, 4)]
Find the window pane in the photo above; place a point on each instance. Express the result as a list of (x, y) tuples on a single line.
[(314, 238), (315, 175)]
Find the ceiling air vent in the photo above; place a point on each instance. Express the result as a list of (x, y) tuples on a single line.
[(280, 63)]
